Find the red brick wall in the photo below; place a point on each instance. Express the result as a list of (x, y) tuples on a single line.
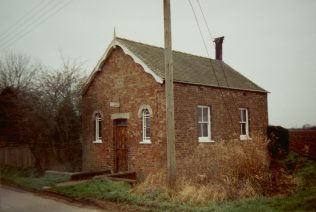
[(303, 142), (224, 125), (137, 88)]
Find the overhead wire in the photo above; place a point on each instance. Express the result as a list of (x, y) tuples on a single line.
[(20, 21), (212, 67), (221, 64), (27, 20), (199, 27), (34, 23), (207, 27), (209, 32)]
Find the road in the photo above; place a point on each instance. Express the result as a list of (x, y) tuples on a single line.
[(12, 200)]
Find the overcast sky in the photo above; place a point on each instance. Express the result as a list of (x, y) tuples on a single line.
[(272, 42)]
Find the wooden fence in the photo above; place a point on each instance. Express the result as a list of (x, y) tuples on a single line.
[(17, 156)]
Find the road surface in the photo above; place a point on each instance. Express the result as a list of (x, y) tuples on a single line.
[(12, 200)]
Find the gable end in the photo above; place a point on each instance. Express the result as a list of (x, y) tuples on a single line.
[(108, 51)]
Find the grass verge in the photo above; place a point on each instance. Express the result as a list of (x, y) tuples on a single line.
[(27, 178), (302, 198)]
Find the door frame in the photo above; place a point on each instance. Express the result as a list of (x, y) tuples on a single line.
[(123, 124)]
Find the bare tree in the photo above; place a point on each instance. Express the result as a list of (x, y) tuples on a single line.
[(17, 71), (41, 108), (61, 94)]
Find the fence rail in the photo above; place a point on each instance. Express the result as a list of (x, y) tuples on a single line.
[(18, 156)]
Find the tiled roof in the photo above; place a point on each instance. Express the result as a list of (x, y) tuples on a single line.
[(191, 69)]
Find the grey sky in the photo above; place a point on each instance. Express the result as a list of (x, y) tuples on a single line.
[(272, 42)]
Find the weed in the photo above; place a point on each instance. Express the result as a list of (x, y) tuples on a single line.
[(218, 172), (203, 193)]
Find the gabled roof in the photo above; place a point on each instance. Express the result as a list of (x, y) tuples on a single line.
[(187, 68)]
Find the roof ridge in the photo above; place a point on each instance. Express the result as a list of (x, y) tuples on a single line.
[(190, 68), (176, 51)]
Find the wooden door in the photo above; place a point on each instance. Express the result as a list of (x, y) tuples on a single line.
[(120, 143)]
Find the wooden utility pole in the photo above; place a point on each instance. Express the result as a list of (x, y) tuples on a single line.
[(171, 156)]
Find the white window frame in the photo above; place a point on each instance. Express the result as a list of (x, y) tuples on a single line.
[(208, 137), (97, 120), (145, 116), (246, 122)]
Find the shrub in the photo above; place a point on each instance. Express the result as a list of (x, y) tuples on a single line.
[(279, 141), (225, 170)]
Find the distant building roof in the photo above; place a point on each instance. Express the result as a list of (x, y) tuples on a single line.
[(187, 68)]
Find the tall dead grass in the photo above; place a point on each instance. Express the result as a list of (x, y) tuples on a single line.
[(221, 171)]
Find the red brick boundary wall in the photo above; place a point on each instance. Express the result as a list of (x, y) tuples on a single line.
[(303, 142)]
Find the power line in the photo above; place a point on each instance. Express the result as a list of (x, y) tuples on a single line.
[(210, 34), (198, 24), (213, 70), (21, 19), (205, 22), (26, 20), (221, 64), (34, 24)]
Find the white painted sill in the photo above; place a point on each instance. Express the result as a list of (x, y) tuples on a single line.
[(145, 142), (245, 137), (205, 140), (97, 142)]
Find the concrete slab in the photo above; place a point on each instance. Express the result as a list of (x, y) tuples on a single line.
[(70, 183)]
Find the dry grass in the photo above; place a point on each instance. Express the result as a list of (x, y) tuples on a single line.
[(225, 170)]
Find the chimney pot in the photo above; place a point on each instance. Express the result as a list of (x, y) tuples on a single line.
[(219, 48)]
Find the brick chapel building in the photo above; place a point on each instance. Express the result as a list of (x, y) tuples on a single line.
[(124, 108)]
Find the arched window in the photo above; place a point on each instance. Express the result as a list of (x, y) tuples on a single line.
[(146, 126), (98, 127)]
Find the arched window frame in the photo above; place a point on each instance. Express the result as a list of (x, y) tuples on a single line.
[(145, 114), (97, 120), (146, 126)]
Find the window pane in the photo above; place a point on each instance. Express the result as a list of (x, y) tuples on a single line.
[(142, 130), (120, 122), (146, 124), (200, 130), (205, 114), (98, 126), (147, 133), (243, 115), (243, 128), (100, 129), (200, 114), (147, 120), (205, 130), (146, 112)]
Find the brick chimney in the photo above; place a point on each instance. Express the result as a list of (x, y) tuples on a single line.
[(219, 48)]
